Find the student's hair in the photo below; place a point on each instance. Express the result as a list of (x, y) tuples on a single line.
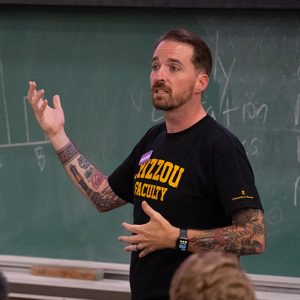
[(211, 275), (3, 287), (202, 58)]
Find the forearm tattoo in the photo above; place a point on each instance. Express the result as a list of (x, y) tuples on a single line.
[(67, 153), (242, 238), (104, 200)]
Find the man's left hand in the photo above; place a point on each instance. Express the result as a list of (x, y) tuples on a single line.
[(157, 234)]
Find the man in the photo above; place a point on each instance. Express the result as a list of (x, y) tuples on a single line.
[(189, 180)]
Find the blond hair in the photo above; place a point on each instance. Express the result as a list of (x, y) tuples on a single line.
[(211, 276)]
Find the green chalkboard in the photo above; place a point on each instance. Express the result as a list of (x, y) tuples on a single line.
[(98, 60)]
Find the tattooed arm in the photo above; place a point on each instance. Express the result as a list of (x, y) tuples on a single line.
[(245, 236), (91, 182)]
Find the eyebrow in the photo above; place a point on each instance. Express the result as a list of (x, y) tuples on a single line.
[(169, 60)]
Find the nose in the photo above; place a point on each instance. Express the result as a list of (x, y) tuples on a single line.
[(159, 74)]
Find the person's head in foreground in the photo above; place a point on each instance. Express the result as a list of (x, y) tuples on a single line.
[(211, 276), (3, 287)]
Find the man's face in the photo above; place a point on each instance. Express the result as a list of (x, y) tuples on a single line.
[(173, 75)]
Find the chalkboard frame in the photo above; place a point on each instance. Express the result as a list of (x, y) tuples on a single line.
[(250, 113), (232, 4)]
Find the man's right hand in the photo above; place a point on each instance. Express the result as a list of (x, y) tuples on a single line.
[(50, 119)]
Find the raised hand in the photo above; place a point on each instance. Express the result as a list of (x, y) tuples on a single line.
[(50, 119), (158, 233)]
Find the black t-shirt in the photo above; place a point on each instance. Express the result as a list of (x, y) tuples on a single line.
[(195, 179)]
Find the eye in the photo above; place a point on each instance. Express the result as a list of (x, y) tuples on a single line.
[(154, 67), (174, 68)]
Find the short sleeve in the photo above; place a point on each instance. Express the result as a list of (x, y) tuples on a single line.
[(234, 179), (121, 180)]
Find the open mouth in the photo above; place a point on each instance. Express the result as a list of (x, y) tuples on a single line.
[(160, 91)]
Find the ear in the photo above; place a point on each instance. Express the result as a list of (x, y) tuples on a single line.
[(201, 83)]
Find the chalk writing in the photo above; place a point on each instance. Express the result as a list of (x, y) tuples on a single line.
[(251, 146), (253, 111), (3, 94), (225, 106), (210, 110), (274, 215), (136, 101), (41, 158), (296, 191), (227, 111), (227, 79), (298, 149), (227, 75), (297, 111), (155, 118), (27, 141)]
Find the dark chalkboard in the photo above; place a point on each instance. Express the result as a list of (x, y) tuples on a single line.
[(98, 60)]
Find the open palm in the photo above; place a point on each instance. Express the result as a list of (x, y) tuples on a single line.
[(50, 119)]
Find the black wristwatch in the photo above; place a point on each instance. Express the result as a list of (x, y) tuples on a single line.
[(182, 242)]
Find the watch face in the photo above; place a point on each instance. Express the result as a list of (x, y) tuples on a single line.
[(182, 244)]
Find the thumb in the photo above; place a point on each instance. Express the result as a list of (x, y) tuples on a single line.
[(148, 209), (56, 102)]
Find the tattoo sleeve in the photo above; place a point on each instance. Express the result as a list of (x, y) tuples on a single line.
[(103, 200), (90, 181), (245, 236), (67, 153)]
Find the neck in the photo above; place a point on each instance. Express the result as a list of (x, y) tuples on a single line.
[(184, 117)]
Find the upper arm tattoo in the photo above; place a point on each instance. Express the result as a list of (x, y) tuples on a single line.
[(245, 236), (252, 221), (246, 217)]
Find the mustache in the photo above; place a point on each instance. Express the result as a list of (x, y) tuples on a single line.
[(162, 86)]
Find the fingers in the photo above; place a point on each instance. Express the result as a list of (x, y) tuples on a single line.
[(144, 252), (132, 228), (140, 240), (56, 102), (138, 247), (33, 95), (132, 248), (43, 106), (35, 98), (135, 241), (31, 89), (132, 240)]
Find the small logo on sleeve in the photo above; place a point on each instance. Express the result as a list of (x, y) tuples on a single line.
[(243, 195)]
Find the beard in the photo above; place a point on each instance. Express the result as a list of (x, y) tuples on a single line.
[(165, 100)]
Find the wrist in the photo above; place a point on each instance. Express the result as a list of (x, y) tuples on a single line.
[(58, 140), (172, 237)]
